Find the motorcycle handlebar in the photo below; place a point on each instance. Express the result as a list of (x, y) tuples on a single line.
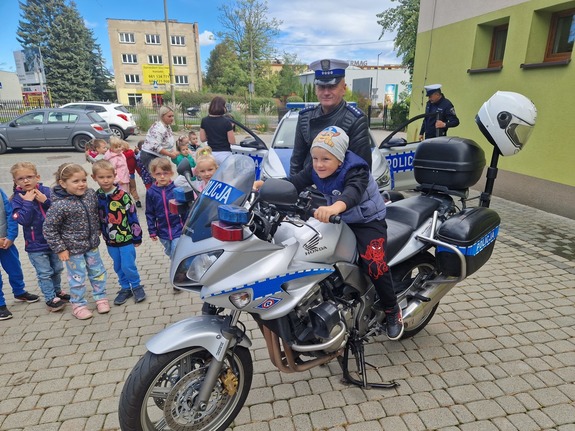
[(335, 219)]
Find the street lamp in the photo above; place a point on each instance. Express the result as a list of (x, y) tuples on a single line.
[(376, 78)]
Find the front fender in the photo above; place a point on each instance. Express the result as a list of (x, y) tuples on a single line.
[(203, 331)]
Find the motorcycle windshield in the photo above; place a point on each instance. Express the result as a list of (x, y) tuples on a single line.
[(232, 183)]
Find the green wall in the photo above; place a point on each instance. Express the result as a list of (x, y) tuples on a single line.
[(445, 54)]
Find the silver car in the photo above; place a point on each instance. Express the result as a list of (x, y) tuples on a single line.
[(396, 174), (53, 127)]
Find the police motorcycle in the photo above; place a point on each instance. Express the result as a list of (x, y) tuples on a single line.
[(298, 280)]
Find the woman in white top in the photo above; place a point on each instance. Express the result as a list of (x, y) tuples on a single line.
[(160, 139)]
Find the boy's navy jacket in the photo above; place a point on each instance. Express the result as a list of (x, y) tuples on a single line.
[(118, 218), (161, 222), (31, 215), (8, 227), (352, 184)]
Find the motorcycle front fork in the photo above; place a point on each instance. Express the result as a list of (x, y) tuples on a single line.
[(215, 367)]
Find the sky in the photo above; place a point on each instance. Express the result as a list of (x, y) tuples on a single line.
[(312, 30)]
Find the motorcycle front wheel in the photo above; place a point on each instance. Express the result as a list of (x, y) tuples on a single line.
[(161, 390)]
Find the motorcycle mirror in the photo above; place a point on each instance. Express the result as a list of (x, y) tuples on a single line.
[(278, 192), (184, 166)]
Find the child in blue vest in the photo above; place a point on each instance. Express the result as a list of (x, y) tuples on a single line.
[(350, 190), (30, 202), (10, 259)]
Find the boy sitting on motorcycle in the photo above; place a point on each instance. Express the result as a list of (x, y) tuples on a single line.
[(350, 190)]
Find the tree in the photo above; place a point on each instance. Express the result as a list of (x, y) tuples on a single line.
[(251, 33), (224, 71), (288, 77), (73, 61), (404, 19)]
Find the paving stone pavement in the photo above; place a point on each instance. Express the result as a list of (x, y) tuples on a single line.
[(498, 355)]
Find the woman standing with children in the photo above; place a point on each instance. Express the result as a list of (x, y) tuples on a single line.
[(218, 130), (159, 140)]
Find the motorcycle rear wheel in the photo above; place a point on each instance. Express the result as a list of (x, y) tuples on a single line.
[(408, 270), (160, 391)]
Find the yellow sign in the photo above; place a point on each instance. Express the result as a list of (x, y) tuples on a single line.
[(157, 74)]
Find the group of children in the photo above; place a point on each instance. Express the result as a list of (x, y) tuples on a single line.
[(62, 225)]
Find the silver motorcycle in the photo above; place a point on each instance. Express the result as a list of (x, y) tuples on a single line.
[(299, 280)]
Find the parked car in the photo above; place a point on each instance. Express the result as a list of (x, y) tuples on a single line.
[(193, 111), (118, 117), (53, 127), (398, 154)]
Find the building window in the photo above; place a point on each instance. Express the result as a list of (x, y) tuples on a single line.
[(127, 38), (153, 39), (132, 78), (181, 79), (180, 60), (155, 59), (178, 40), (498, 42), (561, 36), (129, 58), (134, 99)]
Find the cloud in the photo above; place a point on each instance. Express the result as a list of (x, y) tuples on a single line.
[(90, 24), (324, 29), (207, 38)]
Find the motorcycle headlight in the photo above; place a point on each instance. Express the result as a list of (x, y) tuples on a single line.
[(193, 268)]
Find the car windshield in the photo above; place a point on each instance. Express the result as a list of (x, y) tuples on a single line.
[(286, 134), (231, 184)]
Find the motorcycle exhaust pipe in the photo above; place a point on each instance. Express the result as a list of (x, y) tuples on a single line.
[(417, 310)]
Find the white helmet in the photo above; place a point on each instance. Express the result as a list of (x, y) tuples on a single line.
[(507, 120)]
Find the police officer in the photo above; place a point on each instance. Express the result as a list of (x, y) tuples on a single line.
[(332, 111), (444, 118)]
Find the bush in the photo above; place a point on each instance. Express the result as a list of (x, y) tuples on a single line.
[(294, 99), (399, 113), (143, 118)]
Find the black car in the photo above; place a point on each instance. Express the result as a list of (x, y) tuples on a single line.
[(193, 111)]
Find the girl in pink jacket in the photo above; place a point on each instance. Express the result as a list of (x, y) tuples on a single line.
[(116, 157)]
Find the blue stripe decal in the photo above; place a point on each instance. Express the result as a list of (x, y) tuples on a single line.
[(476, 248), (222, 192), (269, 286)]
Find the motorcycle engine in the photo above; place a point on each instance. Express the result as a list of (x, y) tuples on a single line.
[(317, 319)]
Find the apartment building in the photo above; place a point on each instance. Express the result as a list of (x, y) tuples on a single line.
[(141, 60), (477, 48)]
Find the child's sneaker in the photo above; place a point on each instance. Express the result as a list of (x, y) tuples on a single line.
[(81, 312), (103, 306), (394, 323), (27, 297), (55, 304), (123, 296), (63, 296), (138, 204), (139, 294), (5, 313)]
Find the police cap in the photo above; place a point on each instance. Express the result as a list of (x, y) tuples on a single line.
[(328, 71), (430, 89)]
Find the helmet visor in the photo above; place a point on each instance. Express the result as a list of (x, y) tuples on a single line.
[(519, 134)]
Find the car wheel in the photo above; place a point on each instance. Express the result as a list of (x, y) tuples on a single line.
[(80, 142), (119, 133), (3, 147)]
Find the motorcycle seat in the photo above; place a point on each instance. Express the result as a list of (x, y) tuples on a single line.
[(397, 235), (412, 211)]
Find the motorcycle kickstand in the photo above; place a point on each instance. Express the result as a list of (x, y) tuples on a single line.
[(356, 347)]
